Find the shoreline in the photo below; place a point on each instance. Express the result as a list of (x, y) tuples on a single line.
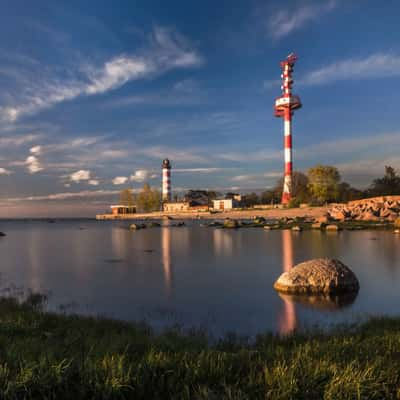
[(274, 213)]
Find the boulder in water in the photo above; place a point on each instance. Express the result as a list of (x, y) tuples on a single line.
[(322, 275), (231, 223), (135, 227), (2, 234)]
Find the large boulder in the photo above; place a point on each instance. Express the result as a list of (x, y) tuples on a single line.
[(319, 276)]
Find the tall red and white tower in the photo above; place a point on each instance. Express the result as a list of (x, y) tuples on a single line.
[(166, 180), (284, 107)]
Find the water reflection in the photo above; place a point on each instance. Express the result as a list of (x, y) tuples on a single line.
[(166, 258), (324, 302), (327, 302), (223, 242), (287, 320)]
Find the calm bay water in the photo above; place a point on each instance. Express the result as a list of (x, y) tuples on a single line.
[(220, 280)]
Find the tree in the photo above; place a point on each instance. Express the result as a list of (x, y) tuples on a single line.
[(126, 197), (324, 183), (148, 199), (251, 199), (389, 184), (270, 197), (299, 187), (348, 193)]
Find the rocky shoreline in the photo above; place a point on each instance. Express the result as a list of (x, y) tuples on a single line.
[(378, 209)]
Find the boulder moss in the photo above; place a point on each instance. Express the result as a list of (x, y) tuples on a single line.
[(322, 275)]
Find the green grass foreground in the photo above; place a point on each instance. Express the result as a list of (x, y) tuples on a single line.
[(49, 356)]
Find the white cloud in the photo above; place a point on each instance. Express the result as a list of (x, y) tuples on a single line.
[(81, 175), (285, 21), (33, 165), (167, 50), (142, 175), (36, 150), (94, 182), (377, 65), (119, 180), (4, 171)]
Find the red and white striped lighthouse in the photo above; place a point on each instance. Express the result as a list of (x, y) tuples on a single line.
[(284, 107), (166, 180)]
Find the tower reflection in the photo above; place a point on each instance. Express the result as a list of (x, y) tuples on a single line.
[(287, 319), (166, 258)]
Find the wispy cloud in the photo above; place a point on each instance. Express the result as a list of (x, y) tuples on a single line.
[(120, 180), (285, 21), (93, 182), (142, 175), (66, 195), (199, 170), (166, 50), (378, 65), (4, 171), (9, 141)]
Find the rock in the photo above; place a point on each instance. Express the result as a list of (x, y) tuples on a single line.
[(317, 225), (338, 215), (391, 217), (397, 231), (259, 220), (2, 234), (267, 228), (135, 227), (322, 275), (323, 220), (297, 228), (154, 225), (178, 224), (230, 223), (332, 228), (397, 222), (369, 216)]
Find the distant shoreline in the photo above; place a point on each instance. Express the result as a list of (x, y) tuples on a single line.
[(314, 212)]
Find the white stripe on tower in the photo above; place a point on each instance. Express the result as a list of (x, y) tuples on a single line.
[(166, 180)]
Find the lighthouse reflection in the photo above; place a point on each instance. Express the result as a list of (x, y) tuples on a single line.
[(287, 319), (166, 258)]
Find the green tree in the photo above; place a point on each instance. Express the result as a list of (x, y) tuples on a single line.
[(324, 183), (148, 199), (126, 197), (389, 184)]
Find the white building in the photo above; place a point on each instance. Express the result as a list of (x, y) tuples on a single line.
[(225, 204)]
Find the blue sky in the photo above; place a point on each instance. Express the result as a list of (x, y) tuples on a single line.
[(95, 94)]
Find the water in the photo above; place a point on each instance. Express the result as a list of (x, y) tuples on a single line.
[(218, 280)]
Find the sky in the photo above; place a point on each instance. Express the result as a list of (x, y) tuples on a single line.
[(95, 94)]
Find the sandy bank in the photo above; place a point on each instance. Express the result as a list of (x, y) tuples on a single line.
[(314, 212)]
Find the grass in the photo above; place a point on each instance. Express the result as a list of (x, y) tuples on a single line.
[(49, 356)]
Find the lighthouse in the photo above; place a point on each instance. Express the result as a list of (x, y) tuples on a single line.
[(284, 107), (166, 180)]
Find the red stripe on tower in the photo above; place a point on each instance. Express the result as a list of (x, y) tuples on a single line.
[(284, 107)]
